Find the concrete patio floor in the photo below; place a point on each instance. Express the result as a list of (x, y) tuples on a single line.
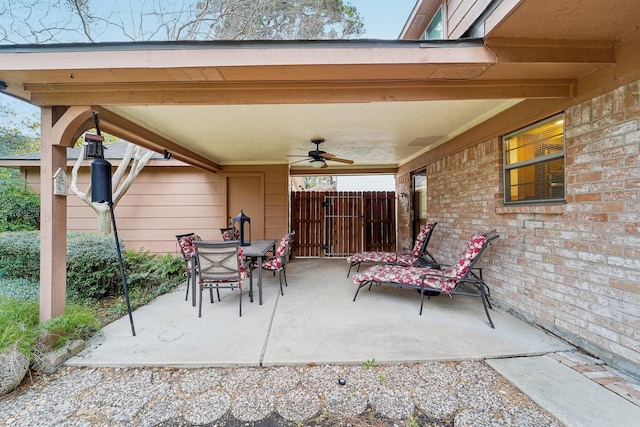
[(316, 322)]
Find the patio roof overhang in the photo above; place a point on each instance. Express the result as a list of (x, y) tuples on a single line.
[(218, 103)]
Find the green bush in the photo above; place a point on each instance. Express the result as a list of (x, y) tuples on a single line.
[(92, 264), (20, 289), (20, 255), (149, 271), (93, 270), (20, 207)]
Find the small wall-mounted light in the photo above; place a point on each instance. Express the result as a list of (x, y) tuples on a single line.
[(3, 85), (404, 199), (167, 154)]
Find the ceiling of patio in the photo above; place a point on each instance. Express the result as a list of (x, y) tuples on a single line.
[(373, 134), (378, 103)]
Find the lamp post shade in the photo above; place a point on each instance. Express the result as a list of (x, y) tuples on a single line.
[(101, 191), (243, 225)]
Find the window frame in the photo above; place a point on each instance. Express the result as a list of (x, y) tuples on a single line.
[(539, 160), (439, 11)]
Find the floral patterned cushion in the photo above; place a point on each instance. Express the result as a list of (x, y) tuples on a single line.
[(394, 257), (422, 235), (444, 280), (187, 247), (461, 267), (273, 263), (230, 233), (277, 262), (244, 270), (283, 245), (382, 257)]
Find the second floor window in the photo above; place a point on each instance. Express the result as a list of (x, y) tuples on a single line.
[(435, 29)]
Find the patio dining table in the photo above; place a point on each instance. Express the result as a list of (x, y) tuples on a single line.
[(257, 249)]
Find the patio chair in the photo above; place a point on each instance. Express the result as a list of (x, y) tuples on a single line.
[(220, 266), (451, 280), (419, 256), (278, 262), (185, 243), (230, 233)]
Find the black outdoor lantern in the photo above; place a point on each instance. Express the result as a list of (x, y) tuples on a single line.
[(243, 224), (101, 181)]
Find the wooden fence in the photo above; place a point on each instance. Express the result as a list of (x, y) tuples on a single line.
[(339, 223)]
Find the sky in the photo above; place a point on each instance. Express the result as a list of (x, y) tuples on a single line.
[(383, 19)]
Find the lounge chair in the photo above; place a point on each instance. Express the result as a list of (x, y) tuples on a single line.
[(419, 256), (451, 280)]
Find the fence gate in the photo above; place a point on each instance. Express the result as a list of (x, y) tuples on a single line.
[(337, 224)]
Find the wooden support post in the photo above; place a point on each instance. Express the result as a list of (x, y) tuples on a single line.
[(60, 127)]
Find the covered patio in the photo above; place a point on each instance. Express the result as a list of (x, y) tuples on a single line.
[(233, 114)]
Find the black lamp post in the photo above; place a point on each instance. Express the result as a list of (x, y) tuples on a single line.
[(102, 192), (243, 223)]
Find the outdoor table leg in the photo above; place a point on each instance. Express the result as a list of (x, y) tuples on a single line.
[(260, 280)]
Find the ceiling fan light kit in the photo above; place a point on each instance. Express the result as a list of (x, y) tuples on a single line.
[(316, 163)]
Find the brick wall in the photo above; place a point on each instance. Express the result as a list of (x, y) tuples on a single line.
[(573, 268)]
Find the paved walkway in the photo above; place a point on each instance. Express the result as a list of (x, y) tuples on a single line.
[(280, 364)]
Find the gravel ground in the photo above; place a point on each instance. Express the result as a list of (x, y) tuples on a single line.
[(466, 393)]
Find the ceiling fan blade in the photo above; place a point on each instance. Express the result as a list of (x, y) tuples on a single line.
[(324, 166), (339, 160), (298, 155), (300, 161)]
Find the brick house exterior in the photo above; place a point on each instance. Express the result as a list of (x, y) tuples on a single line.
[(571, 268)]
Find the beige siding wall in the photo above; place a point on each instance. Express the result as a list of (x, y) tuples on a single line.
[(572, 268), (165, 201), (461, 14)]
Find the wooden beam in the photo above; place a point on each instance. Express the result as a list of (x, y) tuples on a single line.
[(519, 50), (132, 132), (216, 93)]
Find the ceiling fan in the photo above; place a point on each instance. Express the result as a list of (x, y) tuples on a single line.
[(318, 158)]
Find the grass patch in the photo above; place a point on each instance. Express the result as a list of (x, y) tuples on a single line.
[(148, 277)]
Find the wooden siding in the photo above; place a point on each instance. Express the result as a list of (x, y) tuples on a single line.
[(461, 14), (165, 201)]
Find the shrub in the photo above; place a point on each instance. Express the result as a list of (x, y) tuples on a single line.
[(20, 255), (92, 264), (20, 289), (20, 208), (93, 270), (149, 271)]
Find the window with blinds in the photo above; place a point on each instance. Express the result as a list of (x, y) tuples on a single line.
[(534, 163)]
